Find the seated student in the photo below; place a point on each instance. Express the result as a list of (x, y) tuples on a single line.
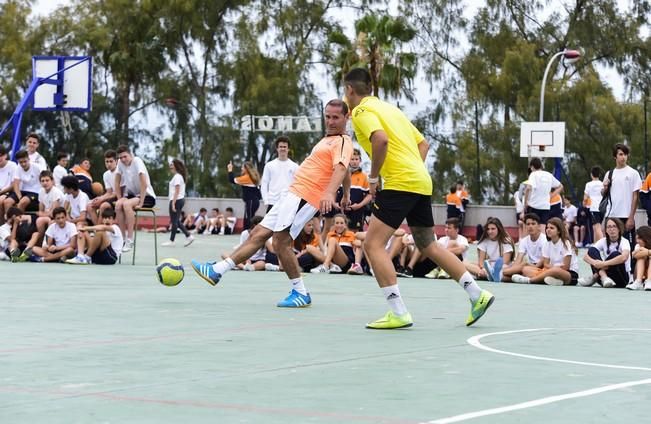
[(530, 248), (257, 261), (394, 246), (7, 172), (5, 238), (106, 245), (197, 222), (26, 185), (494, 250), (339, 249), (60, 170), (76, 200), (60, 237), (23, 234), (49, 198), (560, 266), (229, 222), (309, 248), (106, 200), (215, 221), (642, 255), (452, 241), (609, 258), (81, 171)]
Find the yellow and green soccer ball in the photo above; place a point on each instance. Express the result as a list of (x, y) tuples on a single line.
[(170, 272)]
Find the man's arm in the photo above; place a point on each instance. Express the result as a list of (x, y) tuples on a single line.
[(264, 184), (345, 199), (328, 197), (118, 187), (379, 147), (630, 222), (16, 187), (557, 190), (423, 148)]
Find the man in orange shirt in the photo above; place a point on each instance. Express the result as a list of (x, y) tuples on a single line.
[(314, 189)]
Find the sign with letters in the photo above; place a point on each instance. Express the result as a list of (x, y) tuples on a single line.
[(283, 124)]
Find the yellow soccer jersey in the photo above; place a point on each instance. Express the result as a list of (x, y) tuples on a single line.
[(403, 168)]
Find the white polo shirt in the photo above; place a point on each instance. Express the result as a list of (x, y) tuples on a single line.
[(542, 183), (30, 179), (130, 176)]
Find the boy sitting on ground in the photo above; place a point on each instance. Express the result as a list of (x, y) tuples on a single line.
[(60, 238), (102, 249), (23, 234)]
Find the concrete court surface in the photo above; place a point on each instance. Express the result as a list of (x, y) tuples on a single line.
[(92, 344)]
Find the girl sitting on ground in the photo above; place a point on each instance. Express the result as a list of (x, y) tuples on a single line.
[(609, 258), (339, 251), (560, 266), (642, 255), (494, 251), (309, 248)]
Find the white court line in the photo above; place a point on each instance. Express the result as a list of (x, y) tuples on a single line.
[(475, 341)]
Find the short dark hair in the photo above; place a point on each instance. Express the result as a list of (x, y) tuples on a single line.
[(110, 154), (108, 213), (22, 154), (33, 135), (70, 181), (3, 150), (596, 171), (203, 210), (621, 146), (14, 211), (215, 209), (45, 173), (536, 163), (360, 80), (453, 188), (58, 210), (340, 104), (281, 139), (61, 155), (229, 209), (454, 222), (123, 148), (357, 152), (532, 216)]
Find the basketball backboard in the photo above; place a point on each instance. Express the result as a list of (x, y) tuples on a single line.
[(542, 139), (69, 90)]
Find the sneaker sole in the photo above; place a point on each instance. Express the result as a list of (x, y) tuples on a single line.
[(390, 328), (208, 280), (294, 306), (490, 302)]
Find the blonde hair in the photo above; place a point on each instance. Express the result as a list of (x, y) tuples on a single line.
[(252, 171)]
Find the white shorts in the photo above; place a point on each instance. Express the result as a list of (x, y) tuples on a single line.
[(289, 212)]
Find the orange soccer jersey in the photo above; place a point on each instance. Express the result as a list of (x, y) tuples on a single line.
[(344, 239), (313, 176)]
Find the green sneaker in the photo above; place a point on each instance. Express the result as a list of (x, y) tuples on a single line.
[(23, 257), (479, 307), (391, 321)]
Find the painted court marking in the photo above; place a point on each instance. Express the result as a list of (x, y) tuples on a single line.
[(476, 342)]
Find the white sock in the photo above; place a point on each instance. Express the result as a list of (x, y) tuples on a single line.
[(392, 295), (297, 284), (470, 286), (222, 267)]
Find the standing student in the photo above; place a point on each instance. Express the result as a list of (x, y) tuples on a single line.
[(277, 174), (249, 180), (176, 194), (642, 255), (465, 201), (339, 251), (494, 250), (592, 194), (398, 151), (541, 186), (26, 184), (314, 188), (102, 248), (7, 172), (31, 145), (625, 184), (61, 169), (560, 267), (530, 248), (453, 202), (106, 200), (359, 195), (608, 258), (133, 189)]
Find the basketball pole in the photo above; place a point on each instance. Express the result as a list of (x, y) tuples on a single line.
[(17, 117)]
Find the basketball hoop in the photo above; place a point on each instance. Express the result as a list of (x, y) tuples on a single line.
[(541, 148)]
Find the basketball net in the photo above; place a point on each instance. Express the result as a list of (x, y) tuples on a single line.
[(65, 123)]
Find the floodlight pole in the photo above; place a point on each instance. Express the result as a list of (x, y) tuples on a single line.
[(569, 54)]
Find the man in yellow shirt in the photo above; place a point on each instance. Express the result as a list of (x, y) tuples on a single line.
[(398, 151)]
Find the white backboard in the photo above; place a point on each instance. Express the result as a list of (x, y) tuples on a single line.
[(76, 83), (542, 139)]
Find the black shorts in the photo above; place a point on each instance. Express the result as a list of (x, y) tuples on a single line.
[(33, 200), (422, 268), (393, 206), (105, 257), (25, 231), (356, 219), (543, 214), (596, 217), (149, 202), (350, 254), (556, 211)]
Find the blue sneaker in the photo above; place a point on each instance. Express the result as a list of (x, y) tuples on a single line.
[(295, 300), (497, 270), (206, 271)]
